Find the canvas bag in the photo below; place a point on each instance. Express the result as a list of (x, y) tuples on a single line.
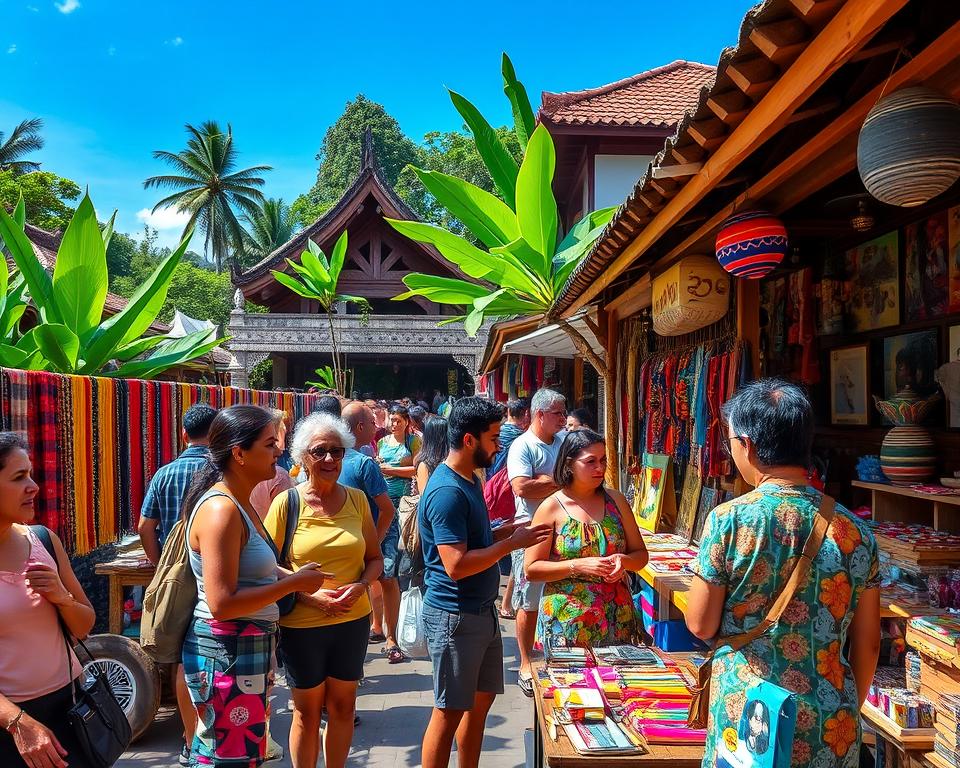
[(499, 498), (169, 600), (700, 703)]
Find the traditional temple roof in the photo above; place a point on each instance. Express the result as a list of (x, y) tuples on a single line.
[(656, 98)]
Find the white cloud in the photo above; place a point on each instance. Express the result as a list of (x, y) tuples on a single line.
[(164, 218), (175, 42), (12, 48), (33, 9), (67, 6)]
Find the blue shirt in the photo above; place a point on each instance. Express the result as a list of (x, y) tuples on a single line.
[(169, 486), (452, 511), (363, 473)]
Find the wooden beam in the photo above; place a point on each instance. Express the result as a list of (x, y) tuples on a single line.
[(675, 171), (638, 296), (884, 43), (755, 77), (821, 149), (688, 153), (651, 199), (730, 106), (781, 41), (611, 410), (815, 12), (709, 134), (856, 22), (748, 318), (664, 186), (817, 106)]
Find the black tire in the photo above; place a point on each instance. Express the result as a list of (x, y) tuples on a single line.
[(132, 675)]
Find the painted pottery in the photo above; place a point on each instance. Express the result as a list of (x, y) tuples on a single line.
[(752, 244), (908, 455)]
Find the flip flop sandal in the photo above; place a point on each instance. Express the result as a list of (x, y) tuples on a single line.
[(376, 637), (395, 655), (507, 615), (526, 685)]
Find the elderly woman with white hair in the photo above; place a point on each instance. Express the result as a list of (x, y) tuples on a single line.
[(323, 640)]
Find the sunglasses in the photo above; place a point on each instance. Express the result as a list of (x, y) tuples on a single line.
[(334, 452)]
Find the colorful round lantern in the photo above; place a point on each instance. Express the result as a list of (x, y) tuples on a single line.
[(751, 244), (908, 151)]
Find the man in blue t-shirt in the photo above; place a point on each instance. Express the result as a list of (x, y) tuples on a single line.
[(461, 580)]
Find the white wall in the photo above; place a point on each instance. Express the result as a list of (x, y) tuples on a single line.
[(615, 176)]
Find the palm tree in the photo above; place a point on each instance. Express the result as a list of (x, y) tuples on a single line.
[(25, 138), (209, 188), (268, 228)]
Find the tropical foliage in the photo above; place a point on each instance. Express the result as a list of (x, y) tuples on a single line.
[(71, 336), (269, 227), (327, 379), (23, 140), (46, 196), (318, 278), (210, 188)]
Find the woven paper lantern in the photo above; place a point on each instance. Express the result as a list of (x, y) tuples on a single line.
[(690, 295), (751, 244), (908, 151)]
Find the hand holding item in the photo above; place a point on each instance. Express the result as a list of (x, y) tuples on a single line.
[(350, 593), (504, 531), (37, 745), (328, 601), (597, 567), (308, 578), (45, 581), (523, 537), (617, 571)]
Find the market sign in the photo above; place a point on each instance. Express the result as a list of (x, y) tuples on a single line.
[(692, 294)]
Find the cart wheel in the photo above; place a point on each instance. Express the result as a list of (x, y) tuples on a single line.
[(132, 674)]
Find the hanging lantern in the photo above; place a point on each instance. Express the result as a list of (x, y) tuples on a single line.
[(751, 244), (690, 295), (908, 151)]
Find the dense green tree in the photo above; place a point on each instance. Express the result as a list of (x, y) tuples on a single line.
[(339, 155), (45, 196), (269, 228), (23, 140), (210, 188)]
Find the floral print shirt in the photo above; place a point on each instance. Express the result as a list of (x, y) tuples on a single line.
[(749, 546)]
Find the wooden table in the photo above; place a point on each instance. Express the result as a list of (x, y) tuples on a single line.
[(547, 752), (129, 570)]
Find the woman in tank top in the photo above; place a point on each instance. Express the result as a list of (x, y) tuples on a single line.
[(230, 642), (36, 666)]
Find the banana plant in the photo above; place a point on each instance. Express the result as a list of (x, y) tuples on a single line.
[(327, 379), (318, 278), (72, 336)]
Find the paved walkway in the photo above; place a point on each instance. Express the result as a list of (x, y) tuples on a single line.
[(394, 706)]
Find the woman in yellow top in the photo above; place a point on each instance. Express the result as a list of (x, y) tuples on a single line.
[(323, 640)]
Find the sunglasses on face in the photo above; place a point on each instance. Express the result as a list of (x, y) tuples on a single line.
[(319, 452)]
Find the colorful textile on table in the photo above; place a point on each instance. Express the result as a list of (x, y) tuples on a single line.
[(583, 612), (748, 546), (226, 665)]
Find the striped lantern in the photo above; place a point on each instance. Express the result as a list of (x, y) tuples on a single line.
[(751, 244), (908, 151)]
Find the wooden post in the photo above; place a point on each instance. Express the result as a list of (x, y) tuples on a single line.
[(748, 319), (577, 382), (611, 410)]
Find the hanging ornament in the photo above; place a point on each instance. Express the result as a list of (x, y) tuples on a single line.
[(751, 244), (908, 151)]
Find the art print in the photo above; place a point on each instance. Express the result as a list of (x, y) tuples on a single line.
[(689, 502), (953, 256), (927, 279), (708, 500), (849, 386), (910, 360), (872, 291), (654, 478)]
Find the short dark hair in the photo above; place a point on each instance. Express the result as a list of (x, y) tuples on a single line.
[(471, 416), (584, 416), (197, 420), (417, 416), (10, 442), (516, 408), (777, 416), (329, 404), (399, 410), (572, 444)]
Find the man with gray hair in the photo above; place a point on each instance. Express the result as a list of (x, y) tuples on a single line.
[(530, 464)]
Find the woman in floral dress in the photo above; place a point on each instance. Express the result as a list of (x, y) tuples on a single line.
[(586, 601), (748, 550)]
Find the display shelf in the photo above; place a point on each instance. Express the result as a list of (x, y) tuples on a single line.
[(903, 504), (916, 739), (678, 597)]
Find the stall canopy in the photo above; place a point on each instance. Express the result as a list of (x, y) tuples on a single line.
[(553, 341)]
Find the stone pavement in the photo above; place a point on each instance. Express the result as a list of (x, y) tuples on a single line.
[(394, 706)]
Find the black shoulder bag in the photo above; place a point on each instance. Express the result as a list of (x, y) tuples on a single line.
[(288, 602), (96, 717)]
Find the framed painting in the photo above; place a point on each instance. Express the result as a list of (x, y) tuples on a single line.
[(709, 498), (850, 385), (873, 290), (953, 356), (910, 358), (953, 258), (689, 501), (656, 496), (927, 278)]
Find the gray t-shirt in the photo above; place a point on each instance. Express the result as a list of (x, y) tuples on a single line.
[(529, 456)]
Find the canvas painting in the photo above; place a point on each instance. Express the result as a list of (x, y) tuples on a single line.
[(910, 358), (872, 290), (708, 500), (656, 484), (953, 357), (953, 235), (689, 501), (849, 386), (927, 279)]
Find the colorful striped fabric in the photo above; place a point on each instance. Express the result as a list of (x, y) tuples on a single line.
[(96, 442)]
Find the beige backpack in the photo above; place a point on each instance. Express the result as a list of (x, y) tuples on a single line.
[(169, 601)]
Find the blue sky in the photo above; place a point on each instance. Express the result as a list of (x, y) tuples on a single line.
[(116, 80)]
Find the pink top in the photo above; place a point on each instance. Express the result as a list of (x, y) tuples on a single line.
[(33, 656), (265, 492)]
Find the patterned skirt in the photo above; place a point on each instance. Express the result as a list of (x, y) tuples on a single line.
[(227, 667)]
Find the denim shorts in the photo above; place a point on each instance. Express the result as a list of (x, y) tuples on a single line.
[(467, 654), (390, 547), (526, 594)]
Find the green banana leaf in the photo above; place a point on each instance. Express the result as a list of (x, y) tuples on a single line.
[(58, 344), (38, 281), (80, 274), (442, 290), (536, 205), (524, 122), (500, 163), (598, 218), (294, 285), (567, 260), (139, 347), (168, 355), (337, 258)]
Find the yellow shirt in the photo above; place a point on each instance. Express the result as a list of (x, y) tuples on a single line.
[(336, 543)]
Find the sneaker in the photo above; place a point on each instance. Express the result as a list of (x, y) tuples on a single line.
[(184, 758), (274, 750)]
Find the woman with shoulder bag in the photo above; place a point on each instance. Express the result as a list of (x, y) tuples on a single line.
[(782, 621), (230, 641), (37, 669)]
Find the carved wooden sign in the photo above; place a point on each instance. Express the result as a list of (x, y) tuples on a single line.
[(693, 293)]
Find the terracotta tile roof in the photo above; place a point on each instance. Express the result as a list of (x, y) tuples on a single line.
[(658, 97)]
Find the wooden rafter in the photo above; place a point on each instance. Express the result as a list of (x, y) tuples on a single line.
[(730, 106), (678, 170), (755, 77), (781, 41), (688, 153), (852, 25), (709, 133), (815, 12), (884, 43)]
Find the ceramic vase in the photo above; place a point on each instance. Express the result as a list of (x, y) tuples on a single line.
[(908, 455)]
